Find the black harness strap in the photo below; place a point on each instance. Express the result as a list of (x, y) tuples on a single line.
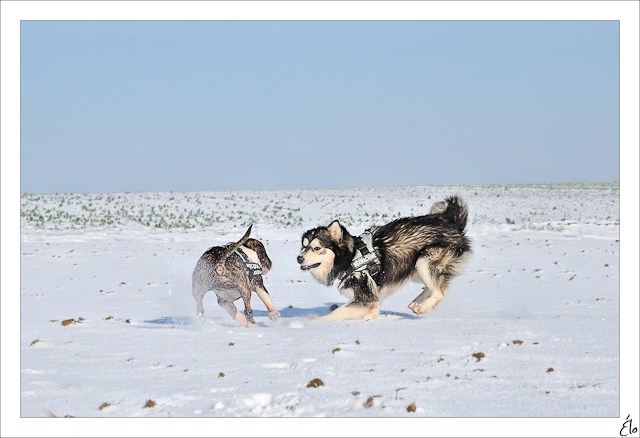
[(368, 256), (366, 262), (250, 266)]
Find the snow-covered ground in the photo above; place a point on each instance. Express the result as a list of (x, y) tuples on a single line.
[(540, 300)]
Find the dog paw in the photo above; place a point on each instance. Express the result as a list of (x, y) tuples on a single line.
[(421, 309), (274, 315), (418, 309), (251, 324)]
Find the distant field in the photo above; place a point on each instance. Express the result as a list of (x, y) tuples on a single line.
[(513, 204)]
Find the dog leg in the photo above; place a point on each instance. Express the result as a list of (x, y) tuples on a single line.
[(351, 311), (248, 312), (198, 294), (365, 303), (258, 286), (426, 293), (266, 299), (430, 303), (233, 311), (437, 288), (373, 310), (230, 308), (240, 318)]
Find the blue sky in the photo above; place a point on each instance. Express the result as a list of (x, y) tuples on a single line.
[(115, 106)]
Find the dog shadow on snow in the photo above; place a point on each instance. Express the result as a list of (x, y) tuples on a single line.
[(286, 312)]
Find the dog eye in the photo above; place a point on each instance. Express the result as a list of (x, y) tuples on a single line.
[(317, 248)]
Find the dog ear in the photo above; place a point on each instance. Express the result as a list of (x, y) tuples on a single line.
[(335, 231)]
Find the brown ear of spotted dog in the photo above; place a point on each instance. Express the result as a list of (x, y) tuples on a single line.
[(234, 271), (431, 250)]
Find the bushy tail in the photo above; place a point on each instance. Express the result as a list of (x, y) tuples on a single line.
[(230, 250), (453, 210)]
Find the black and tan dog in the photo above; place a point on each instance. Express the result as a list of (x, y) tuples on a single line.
[(233, 271), (429, 249)]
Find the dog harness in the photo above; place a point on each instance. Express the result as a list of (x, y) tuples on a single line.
[(252, 268), (365, 258)]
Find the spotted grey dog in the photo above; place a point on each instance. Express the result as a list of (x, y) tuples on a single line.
[(429, 249), (233, 271)]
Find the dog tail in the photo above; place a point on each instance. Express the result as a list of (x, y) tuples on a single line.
[(230, 250), (238, 244), (453, 210)]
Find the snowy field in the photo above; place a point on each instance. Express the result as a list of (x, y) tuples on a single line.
[(531, 329)]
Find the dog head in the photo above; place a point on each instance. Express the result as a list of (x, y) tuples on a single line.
[(326, 251), (258, 247)]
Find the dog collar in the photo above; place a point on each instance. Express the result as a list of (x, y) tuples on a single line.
[(252, 268), (365, 257)]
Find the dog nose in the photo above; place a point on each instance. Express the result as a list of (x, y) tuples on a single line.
[(300, 259)]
